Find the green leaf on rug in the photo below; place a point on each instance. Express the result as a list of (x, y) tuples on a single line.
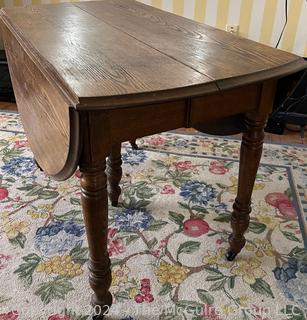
[(288, 193), (231, 282), (121, 296), (176, 217), (11, 153), (293, 313), (188, 247), (10, 179), (145, 192), (166, 288), (4, 142), (35, 190), (219, 285), (262, 287), (48, 194), (3, 299), (75, 201), (159, 163), (131, 239), (213, 271), (190, 306), (57, 289), (20, 240), (156, 225), (26, 269), (299, 254), (200, 209), (184, 205), (256, 227), (79, 254), (223, 217), (179, 177), (215, 277), (205, 296), (73, 315), (290, 236), (27, 187), (221, 185), (152, 243), (115, 262), (74, 215)]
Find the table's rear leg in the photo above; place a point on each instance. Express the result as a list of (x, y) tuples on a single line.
[(251, 150), (95, 210), (114, 173), (133, 144)]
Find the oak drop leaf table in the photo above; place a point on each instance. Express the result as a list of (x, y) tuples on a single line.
[(88, 76)]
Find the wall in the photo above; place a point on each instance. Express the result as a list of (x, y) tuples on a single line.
[(259, 20)]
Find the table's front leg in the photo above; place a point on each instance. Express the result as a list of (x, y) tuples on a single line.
[(114, 173), (251, 150), (95, 210)]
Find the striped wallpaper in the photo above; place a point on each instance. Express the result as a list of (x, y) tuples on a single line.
[(259, 20)]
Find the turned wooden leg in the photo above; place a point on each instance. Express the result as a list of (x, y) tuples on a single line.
[(95, 210), (251, 150), (114, 173)]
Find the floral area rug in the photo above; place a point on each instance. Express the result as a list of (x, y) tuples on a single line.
[(167, 239)]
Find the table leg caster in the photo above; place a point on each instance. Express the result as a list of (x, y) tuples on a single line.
[(114, 204), (133, 144), (230, 256)]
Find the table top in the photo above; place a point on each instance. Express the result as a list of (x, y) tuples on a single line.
[(119, 52)]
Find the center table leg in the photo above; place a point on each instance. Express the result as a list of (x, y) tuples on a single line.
[(251, 150), (95, 210), (114, 173)]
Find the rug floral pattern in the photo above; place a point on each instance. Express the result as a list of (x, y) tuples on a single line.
[(167, 240)]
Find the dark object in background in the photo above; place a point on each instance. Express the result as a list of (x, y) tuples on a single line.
[(290, 104), (6, 89)]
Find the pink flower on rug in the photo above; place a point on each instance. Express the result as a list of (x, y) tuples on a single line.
[(115, 246), (155, 253), (78, 174), (145, 295), (3, 193), (218, 167), (275, 198), (12, 315), (282, 202), (145, 282), (219, 241), (156, 141), (21, 144), (195, 227), (168, 189), (3, 260), (59, 317), (287, 209), (163, 244), (139, 298), (183, 165)]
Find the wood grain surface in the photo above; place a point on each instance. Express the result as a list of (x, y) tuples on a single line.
[(51, 126), (115, 53)]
